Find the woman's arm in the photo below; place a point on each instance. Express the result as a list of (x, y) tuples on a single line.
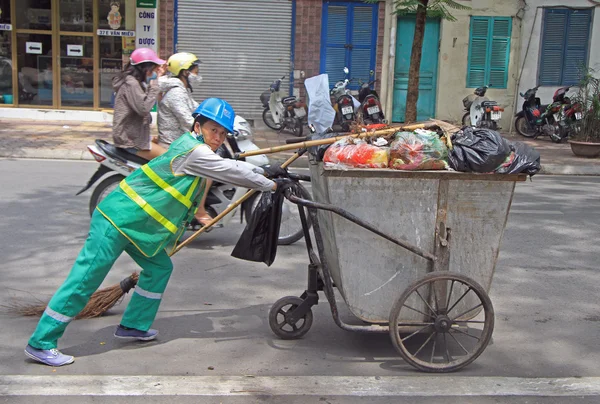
[(139, 100)]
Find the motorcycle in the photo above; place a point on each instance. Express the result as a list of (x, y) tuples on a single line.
[(370, 107), (481, 112), (343, 103), (118, 163), (556, 120), (283, 112)]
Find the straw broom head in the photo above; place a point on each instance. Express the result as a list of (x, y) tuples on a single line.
[(100, 302)]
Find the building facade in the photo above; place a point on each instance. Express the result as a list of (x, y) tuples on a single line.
[(557, 43), (63, 54)]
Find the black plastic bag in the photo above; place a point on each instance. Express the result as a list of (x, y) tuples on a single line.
[(258, 241), (319, 151), (478, 150), (526, 160)]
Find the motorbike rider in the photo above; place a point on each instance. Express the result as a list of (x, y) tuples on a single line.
[(136, 90), (176, 106), (145, 215)]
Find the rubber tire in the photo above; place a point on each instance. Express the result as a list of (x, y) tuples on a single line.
[(394, 313), (269, 121), (466, 119), (287, 335), (518, 127), (95, 198), (297, 130), (282, 240)]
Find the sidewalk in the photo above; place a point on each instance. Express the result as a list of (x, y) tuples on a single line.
[(68, 140)]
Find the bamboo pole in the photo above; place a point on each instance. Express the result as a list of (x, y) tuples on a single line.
[(226, 211), (310, 143)]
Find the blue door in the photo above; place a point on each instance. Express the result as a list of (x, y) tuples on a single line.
[(348, 39), (428, 72)]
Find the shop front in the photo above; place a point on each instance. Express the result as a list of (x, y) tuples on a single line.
[(63, 54)]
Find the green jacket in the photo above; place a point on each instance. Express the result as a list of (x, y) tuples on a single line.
[(152, 206)]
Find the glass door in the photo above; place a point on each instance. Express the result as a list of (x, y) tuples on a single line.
[(76, 47), (6, 76)]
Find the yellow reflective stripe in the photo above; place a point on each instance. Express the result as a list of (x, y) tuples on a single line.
[(147, 208), (192, 188), (166, 187)]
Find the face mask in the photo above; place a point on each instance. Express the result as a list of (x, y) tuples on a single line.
[(153, 77), (194, 79)]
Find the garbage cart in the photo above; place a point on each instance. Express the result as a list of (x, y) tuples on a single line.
[(411, 253)]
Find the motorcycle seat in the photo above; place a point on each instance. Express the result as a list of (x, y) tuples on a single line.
[(119, 153), (288, 100), (489, 103)]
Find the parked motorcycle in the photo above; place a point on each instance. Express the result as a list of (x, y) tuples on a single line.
[(343, 103), (118, 163), (282, 112), (556, 120), (370, 107), (482, 113)]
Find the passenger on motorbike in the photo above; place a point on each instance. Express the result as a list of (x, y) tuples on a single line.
[(176, 106), (144, 216), (136, 91)]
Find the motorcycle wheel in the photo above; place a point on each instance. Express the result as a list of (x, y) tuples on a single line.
[(297, 130), (466, 119), (523, 128), (291, 226), (345, 127), (268, 120), (103, 189)]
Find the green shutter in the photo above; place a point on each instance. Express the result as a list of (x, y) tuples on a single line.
[(478, 44), (553, 44), (489, 51), (576, 46)]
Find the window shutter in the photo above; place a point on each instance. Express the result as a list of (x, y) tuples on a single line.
[(335, 59), (576, 46), (478, 45), (500, 52), (553, 43), (362, 34)]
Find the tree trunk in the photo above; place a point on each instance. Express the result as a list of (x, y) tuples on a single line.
[(415, 64)]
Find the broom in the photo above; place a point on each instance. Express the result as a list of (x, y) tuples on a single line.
[(100, 302)]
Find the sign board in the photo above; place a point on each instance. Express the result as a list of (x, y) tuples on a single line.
[(33, 47), (74, 50), (114, 32), (146, 25), (5, 27)]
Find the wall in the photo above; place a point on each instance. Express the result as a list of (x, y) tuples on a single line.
[(166, 15), (307, 56), (532, 56), (453, 60)]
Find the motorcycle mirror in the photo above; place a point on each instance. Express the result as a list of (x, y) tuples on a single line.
[(371, 72), (346, 70)]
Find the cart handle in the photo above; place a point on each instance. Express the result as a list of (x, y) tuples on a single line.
[(347, 215)]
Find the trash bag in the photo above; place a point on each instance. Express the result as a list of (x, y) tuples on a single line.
[(419, 150), (258, 241), (525, 160), (319, 151), (478, 150), (346, 153)]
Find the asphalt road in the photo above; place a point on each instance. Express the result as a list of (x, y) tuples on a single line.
[(213, 319)]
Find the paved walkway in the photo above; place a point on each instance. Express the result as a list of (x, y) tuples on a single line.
[(68, 140)]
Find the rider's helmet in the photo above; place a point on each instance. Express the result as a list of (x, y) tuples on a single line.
[(182, 61), (143, 55), (217, 110)]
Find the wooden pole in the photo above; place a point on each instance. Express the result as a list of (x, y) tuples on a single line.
[(226, 211), (310, 143)]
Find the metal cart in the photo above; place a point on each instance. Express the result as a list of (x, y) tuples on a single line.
[(413, 254)]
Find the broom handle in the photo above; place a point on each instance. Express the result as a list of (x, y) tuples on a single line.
[(226, 211), (331, 140)]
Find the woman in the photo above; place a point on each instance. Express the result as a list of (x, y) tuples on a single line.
[(136, 91)]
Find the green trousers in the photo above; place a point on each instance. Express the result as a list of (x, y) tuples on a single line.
[(102, 248)]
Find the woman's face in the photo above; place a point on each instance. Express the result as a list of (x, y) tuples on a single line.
[(213, 133)]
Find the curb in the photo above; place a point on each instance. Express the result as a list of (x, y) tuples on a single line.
[(66, 154)]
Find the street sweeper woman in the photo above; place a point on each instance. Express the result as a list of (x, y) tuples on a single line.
[(144, 217)]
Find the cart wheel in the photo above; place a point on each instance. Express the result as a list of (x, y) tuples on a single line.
[(279, 322), (442, 322)]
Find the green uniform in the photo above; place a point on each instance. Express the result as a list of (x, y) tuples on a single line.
[(146, 214)]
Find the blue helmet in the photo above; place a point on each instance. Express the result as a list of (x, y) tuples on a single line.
[(217, 110)]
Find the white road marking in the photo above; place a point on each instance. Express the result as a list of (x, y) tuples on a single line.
[(375, 386)]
